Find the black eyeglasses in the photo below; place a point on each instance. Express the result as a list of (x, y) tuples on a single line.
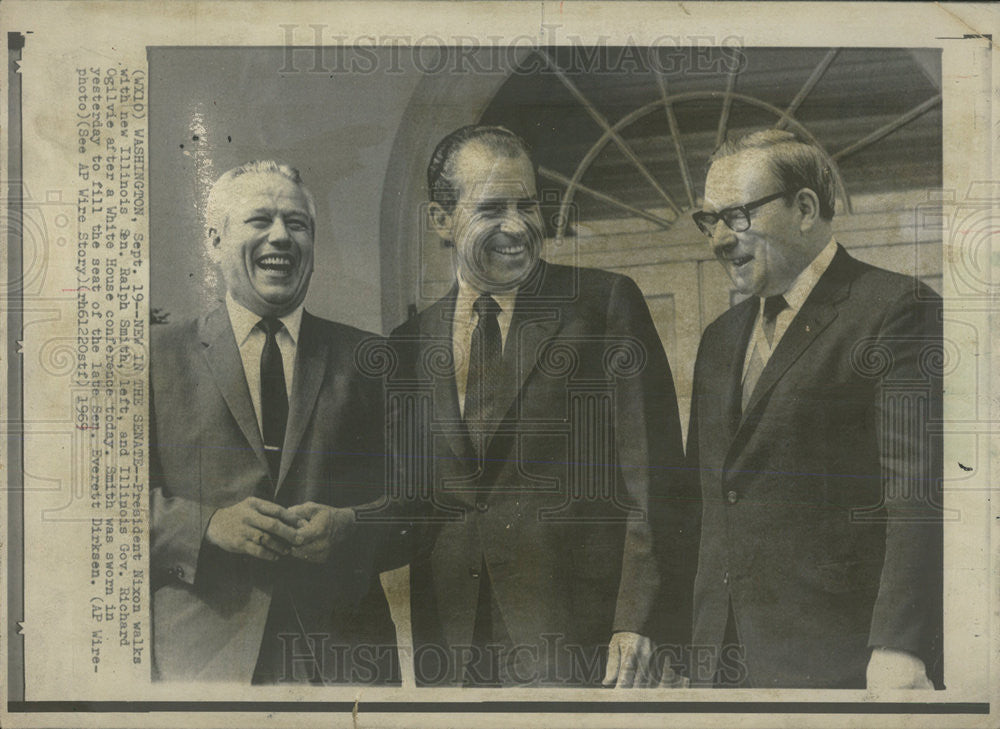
[(737, 218)]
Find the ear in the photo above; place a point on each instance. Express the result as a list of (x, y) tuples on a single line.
[(212, 242), (807, 206), (441, 220)]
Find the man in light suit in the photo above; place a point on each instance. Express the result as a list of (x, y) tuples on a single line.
[(811, 429), (540, 443), (263, 438)]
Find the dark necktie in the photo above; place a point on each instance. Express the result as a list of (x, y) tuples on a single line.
[(273, 396), (484, 368), (773, 305)]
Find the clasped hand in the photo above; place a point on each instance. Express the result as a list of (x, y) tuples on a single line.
[(630, 664), (268, 531)]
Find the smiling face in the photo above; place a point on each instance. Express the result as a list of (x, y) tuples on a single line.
[(496, 226), (765, 259), (264, 249)]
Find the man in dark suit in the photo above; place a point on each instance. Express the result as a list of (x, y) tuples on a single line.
[(811, 428), (537, 431), (263, 438)]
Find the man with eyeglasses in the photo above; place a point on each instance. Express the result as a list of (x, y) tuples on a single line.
[(820, 557)]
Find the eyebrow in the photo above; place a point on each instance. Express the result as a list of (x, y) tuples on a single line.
[(501, 199), (273, 211), (717, 211)]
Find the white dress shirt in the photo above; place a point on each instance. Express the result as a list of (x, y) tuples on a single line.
[(250, 340), (464, 324), (795, 297)]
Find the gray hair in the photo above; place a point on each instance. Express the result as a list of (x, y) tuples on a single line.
[(795, 164), (219, 203)]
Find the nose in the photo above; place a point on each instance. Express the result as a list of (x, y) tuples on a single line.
[(278, 234), (511, 223), (723, 238)]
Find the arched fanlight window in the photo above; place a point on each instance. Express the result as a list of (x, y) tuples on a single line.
[(625, 132)]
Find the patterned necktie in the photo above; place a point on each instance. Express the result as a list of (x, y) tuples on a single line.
[(273, 396), (484, 368), (773, 305)]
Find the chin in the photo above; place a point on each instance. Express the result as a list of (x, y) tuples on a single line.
[(746, 287), (512, 279), (280, 306)]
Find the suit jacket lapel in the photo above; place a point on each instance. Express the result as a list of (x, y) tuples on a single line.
[(436, 331), (311, 358), (731, 371), (530, 326), (223, 358), (816, 314)]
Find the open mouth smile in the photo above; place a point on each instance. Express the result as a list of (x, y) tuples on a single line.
[(280, 264), (515, 249), (740, 261)]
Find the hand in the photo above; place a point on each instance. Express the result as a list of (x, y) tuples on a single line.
[(894, 669), (320, 527), (629, 656), (669, 678), (253, 526)]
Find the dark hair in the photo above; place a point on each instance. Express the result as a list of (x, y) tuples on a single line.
[(794, 162), (441, 170)]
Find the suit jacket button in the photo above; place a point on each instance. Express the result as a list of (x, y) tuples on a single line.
[(732, 497), (473, 573), (725, 579), (482, 507)]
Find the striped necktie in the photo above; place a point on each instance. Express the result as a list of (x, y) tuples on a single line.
[(773, 305)]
